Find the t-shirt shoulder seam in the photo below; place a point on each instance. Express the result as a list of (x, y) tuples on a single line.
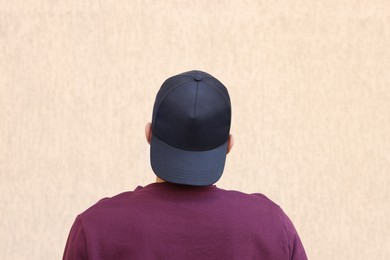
[(80, 219), (282, 216)]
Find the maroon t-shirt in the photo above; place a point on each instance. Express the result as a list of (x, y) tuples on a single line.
[(172, 221)]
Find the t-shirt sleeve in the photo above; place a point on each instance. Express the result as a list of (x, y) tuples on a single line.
[(296, 249), (76, 245)]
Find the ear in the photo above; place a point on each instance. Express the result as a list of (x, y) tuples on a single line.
[(230, 143), (148, 132)]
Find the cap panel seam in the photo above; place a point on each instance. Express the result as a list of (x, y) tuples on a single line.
[(216, 90), (173, 89), (196, 99), (154, 119)]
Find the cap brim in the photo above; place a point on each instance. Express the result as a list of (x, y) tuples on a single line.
[(198, 168)]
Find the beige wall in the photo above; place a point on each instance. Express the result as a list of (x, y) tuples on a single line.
[(309, 83)]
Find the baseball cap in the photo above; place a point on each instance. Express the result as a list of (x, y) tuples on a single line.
[(190, 129)]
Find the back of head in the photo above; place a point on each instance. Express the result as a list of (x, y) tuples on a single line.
[(190, 129)]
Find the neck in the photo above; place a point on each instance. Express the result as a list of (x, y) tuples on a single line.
[(159, 180)]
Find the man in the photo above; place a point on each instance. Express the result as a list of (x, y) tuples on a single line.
[(184, 215)]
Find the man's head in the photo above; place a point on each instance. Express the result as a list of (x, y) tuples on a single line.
[(189, 134)]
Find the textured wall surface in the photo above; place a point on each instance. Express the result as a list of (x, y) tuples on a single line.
[(310, 89)]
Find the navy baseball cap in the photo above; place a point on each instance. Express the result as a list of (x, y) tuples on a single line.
[(190, 129)]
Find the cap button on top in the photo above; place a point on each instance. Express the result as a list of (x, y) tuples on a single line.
[(198, 77)]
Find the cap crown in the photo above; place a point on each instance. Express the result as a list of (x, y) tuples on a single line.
[(192, 112)]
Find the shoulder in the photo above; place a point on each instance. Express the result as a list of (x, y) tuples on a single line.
[(253, 202), (107, 205)]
